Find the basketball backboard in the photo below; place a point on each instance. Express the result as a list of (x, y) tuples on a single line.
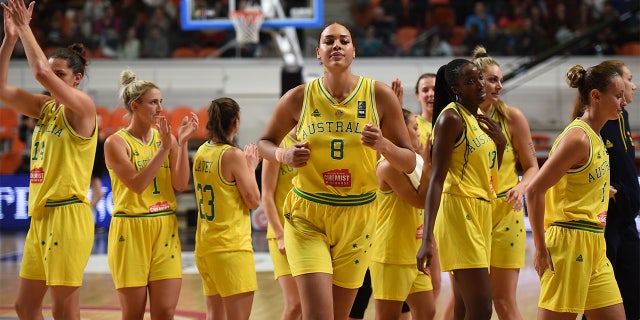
[(213, 14)]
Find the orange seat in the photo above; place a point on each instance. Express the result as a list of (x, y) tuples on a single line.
[(176, 115), (203, 118), (10, 162), (443, 15), (9, 123), (458, 35), (184, 53), (104, 124), (630, 48), (207, 52), (119, 119), (406, 37)]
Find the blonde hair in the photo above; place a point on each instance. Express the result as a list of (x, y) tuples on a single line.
[(133, 88), (484, 61)]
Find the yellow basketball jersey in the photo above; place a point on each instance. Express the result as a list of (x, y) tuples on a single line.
[(285, 177), (224, 223), (507, 173), (159, 196), (61, 161), (398, 230), (473, 171), (341, 171), (424, 127), (581, 198)]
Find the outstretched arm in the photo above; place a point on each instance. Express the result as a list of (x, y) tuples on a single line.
[(17, 99), (80, 109)]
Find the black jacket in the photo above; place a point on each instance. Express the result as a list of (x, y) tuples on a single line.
[(624, 177)]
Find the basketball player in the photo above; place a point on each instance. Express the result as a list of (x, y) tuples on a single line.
[(146, 165), (567, 205), (469, 148), (276, 184), (508, 234), (399, 227), (343, 122), (63, 148), (226, 188)]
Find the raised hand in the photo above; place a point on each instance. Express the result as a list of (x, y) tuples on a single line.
[(164, 129), (188, 127), (396, 86), (252, 156), (20, 14)]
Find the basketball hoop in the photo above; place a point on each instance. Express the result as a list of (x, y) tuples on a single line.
[(247, 24)]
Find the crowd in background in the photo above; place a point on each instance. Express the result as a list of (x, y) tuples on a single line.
[(129, 29)]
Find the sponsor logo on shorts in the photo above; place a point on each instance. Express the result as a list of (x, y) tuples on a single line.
[(579, 258)]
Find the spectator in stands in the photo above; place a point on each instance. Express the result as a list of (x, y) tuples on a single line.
[(80, 29), (106, 32), (481, 18), (560, 27), (532, 40), (155, 44), (368, 45), (438, 47), (130, 48)]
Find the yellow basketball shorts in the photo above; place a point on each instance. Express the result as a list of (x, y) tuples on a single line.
[(280, 262), (508, 236), (583, 278), (463, 232), (397, 281), (227, 273), (58, 245), (321, 238), (143, 249)]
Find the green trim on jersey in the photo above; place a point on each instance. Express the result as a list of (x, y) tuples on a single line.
[(146, 215), (336, 200), (64, 202), (579, 225)]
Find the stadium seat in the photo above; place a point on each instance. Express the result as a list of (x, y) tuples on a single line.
[(184, 53), (406, 37), (203, 117), (104, 124), (8, 127), (176, 115), (10, 162), (631, 48), (207, 52), (119, 119)]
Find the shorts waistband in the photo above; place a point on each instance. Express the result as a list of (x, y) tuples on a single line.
[(63, 202), (579, 225), (143, 215), (337, 200)]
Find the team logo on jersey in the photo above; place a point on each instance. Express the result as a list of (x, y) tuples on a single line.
[(362, 109), (338, 113), (315, 113)]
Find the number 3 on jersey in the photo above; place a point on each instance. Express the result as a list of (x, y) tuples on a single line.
[(208, 211)]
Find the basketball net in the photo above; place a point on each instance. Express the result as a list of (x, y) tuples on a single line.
[(247, 24)]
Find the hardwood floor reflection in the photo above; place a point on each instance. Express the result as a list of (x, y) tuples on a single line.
[(99, 299)]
